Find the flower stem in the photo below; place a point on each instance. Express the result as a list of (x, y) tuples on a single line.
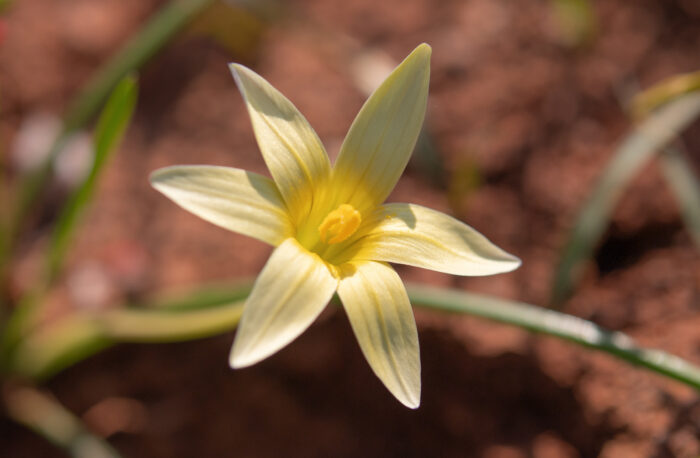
[(51, 350), (557, 324)]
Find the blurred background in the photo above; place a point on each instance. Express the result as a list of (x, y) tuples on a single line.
[(529, 100)]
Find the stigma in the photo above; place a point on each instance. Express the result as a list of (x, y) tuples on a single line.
[(339, 224)]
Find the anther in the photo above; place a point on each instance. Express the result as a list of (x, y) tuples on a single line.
[(339, 224)]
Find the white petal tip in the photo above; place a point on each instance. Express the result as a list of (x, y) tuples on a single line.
[(413, 403), (234, 363), (408, 395), (240, 359), (505, 263), (156, 175), (235, 68), (238, 363), (484, 267), (240, 73), (512, 263)]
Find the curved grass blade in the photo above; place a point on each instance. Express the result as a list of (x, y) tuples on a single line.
[(557, 324), (43, 414), (109, 131), (637, 149), (686, 187), (42, 354), (110, 128), (55, 347), (61, 344), (206, 296), (663, 92), (157, 326), (147, 42)]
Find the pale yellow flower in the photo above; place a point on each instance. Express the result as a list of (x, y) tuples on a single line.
[(329, 226)]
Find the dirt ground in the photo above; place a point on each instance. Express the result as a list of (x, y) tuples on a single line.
[(510, 101)]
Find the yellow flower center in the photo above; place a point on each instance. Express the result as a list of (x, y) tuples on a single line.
[(339, 224)]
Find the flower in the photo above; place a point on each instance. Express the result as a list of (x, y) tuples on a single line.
[(329, 226)]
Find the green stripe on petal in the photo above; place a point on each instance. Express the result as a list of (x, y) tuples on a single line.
[(380, 313), (234, 199), (291, 149), (382, 137), (288, 295), (421, 237)]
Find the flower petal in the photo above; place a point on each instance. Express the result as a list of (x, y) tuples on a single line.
[(418, 236), (382, 137), (291, 149), (234, 199), (288, 295), (381, 317)]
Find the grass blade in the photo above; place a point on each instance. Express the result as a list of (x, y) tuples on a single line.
[(686, 187), (557, 324), (209, 296), (110, 128), (139, 325), (43, 414), (663, 92), (637, 149), (61, 344), (147, 42), (56, 346), (45, 352)]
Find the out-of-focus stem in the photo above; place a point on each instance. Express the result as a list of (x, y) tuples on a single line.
[(63, 343), (149, 40), (43, 414), (686, 187)]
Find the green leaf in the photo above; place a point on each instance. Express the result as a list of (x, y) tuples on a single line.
[(63, 343), (57, 346), (205, 296), (49, 350), (42, 413), (110, 128), (147, 325), (684, 184), (663, 92), (557, 324), (152, 37), (575, 21), (636, 150)]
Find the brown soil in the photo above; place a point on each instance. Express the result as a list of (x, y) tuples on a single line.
[(535, 118)]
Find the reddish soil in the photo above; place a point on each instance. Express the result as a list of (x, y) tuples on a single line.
[(533, 118)]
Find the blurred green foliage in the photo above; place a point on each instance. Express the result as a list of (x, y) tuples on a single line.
[(651, 137), (575, 21), (664, 92)]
